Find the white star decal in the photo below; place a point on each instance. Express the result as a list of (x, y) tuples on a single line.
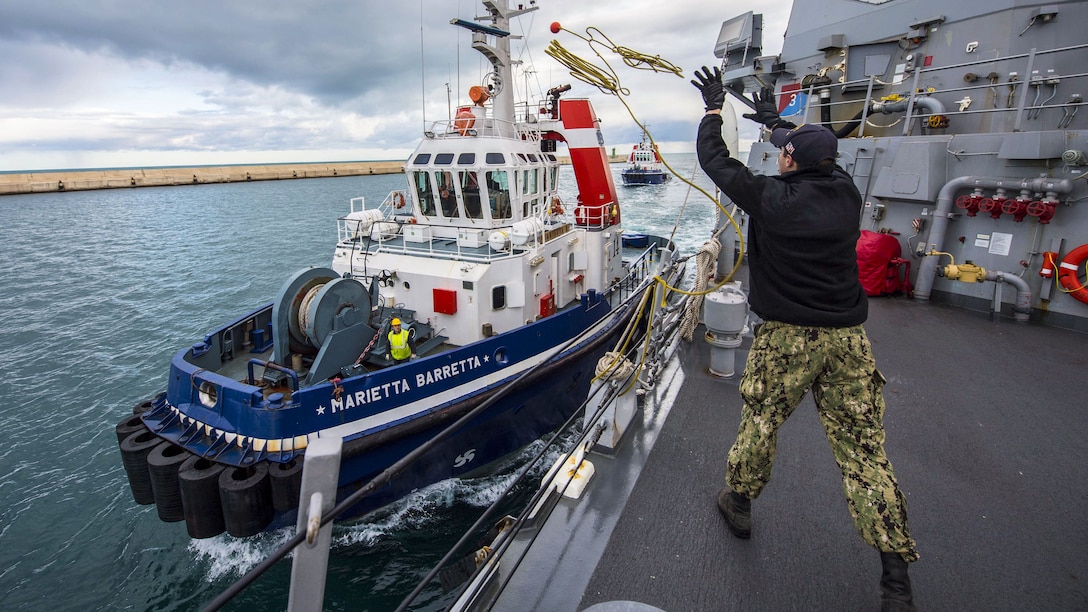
[(320, 410)]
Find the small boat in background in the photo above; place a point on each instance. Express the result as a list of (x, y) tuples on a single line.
[(644, 166)]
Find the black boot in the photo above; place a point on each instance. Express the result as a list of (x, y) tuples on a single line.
[(737, 510), (895, 593)]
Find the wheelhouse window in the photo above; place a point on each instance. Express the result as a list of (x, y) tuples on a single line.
[(528, 181), (470, 188), (498, 193), (498, 297), (446, 196), (422, 182)]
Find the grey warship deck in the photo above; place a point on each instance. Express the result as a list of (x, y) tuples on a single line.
[(986, 431)]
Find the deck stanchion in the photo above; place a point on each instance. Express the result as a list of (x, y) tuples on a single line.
[(320, 474)]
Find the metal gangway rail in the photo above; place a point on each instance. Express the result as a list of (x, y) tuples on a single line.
[(1015, 101)]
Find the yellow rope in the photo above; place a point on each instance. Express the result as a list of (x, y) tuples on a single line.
[(1062, 288), (606, 80)]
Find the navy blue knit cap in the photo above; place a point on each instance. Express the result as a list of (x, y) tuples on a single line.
[(806, 144)]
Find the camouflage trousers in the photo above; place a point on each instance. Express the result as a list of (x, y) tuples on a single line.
[(786, 361)]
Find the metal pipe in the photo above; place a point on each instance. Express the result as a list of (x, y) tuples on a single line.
[(927, 271), (1019, 121), (932, 106), (1021, 310)]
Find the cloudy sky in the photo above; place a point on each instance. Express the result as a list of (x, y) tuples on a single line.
[(115, 83)]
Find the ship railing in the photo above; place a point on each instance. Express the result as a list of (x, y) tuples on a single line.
[(596, 217), (638, 270), (486, 127), (1023, 96), (398, 231), (395, 204), (439, 244)]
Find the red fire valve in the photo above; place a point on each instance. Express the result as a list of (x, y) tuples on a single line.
[(1043, 209), (992, 206), (1018, 208), (969, 204)]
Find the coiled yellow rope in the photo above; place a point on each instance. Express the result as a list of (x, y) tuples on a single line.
[(607, 80)]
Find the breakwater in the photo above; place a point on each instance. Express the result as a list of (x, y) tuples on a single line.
[(119, 178), (79, 180)]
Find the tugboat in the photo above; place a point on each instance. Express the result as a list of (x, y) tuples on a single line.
[(644, 166), (474, 277)]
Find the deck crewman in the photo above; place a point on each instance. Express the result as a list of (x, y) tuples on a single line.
[(804, 284), (402, 343)]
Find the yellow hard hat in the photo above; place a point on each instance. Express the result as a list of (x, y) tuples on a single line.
[(395, 321)]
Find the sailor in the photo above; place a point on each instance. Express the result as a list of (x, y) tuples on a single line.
[(446, 196), (402, 343), (804, 226)]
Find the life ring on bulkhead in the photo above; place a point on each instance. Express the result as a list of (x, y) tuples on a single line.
[(557, 206), (1069, 273), (464, 121), (398, 200)]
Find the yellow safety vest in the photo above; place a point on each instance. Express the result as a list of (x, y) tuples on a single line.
[(398, 345)]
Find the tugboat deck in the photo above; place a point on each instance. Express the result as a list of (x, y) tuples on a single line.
[(985, 429)]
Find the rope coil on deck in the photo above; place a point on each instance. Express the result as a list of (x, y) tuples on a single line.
[(706, 260), (613, 366)]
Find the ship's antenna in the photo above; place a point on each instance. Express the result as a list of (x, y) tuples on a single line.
[(422, 67), (458, 45)]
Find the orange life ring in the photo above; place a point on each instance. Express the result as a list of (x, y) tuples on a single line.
[(557, 206), (465, 120), (1069, 273), (398, 200)]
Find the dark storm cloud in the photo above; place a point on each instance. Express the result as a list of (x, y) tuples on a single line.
[(307, 79), (334, 50)]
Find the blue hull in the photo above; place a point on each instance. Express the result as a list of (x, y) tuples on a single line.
[(384, 415), (538, 406), (636, 177)]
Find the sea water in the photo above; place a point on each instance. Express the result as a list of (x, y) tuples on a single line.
[(99, 290)]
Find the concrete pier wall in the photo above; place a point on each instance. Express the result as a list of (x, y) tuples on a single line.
[(79, 180)]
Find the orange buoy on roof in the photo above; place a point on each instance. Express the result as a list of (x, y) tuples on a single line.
[(478, 94), (464, 121)]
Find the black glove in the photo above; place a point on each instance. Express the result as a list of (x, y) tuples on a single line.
[(710, 85), (766, 109)]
